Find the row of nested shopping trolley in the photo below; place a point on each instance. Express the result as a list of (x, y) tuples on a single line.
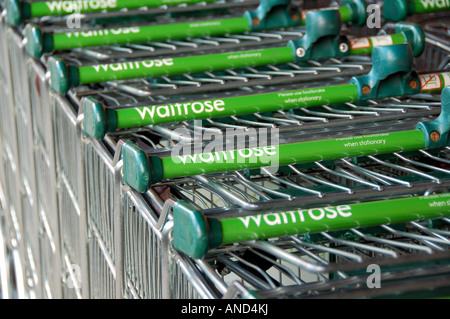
[(224, 149)]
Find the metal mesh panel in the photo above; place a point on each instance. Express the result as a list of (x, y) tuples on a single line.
[(142, 254), (100, 196), (117, 234), (102, 281)]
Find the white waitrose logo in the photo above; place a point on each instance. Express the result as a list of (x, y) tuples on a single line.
[(179, 109), (233, 146), (95, 33), (316, 214), (231, 156), (133, 65), (435, 3), (72, 6)]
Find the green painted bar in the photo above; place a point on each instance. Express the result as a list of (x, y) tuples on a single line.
[(285, 154), (213, 108), (157, 114), (192, 64), (331, 218), (346, 13), (57, 8), (80, 39), (100, 120), (207, 62)]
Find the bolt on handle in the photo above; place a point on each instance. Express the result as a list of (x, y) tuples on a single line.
[(436, 132), (392, 73)]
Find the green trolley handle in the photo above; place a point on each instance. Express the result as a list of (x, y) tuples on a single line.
[(399, 10), (194, 234), (270, 14), (393, 60), (322, 40), (141, 171), (19, 11)]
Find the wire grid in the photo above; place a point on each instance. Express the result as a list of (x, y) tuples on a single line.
[(189, 45), (276, 263), (135, 273), (109, 291), (102, 202), (71, 202), (185, 84), (128, 252), (45, 172), (293, 124), (5, 281), (149, 269), (26, 210), (347, 260), (436, 55), (213, 193), (4, 95), (251, 79), (66, 128), (36, 169), (229, 79)]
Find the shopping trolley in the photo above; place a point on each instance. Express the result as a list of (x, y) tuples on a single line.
[(142, 169), (95, 234), (47, 189), (22, 249), (321, 41), (24, 11), (391, 75), (114, 218), (113, 97), (435, 31), (36, 167), (66, 168), (225, 188), (336, 265), (268, 15), (100, 119), (103, 255), (148, 139), (209, 192), (103, 175), (66, 135), (245, 196)]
